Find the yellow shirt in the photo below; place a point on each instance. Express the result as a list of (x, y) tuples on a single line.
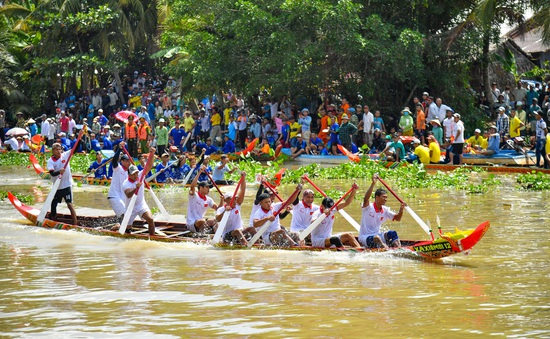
[(479, 141), (514, 127), (188, 122), (548, 143), (423, 154), (135, 102), (435, 151), (226, 114), (295, 129), (216, 119)]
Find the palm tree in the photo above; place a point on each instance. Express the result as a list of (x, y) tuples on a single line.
[(541, 18), (487, 16)]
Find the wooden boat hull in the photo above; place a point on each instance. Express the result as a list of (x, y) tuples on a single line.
[(177, 232)]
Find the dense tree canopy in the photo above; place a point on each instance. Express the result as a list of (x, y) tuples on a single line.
[(381, 51)]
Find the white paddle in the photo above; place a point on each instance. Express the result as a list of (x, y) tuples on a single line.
[(323, 215), (226, 214), (343, 213), (132, 202), (56, 183)]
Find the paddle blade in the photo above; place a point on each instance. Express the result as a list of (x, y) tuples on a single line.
[(221, 228), (159, 204), (352, 221), (313, 226), (48, 202), (258, 234), (417, 219), (127, 215)]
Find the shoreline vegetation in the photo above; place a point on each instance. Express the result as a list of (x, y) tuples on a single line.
[(471, 179)]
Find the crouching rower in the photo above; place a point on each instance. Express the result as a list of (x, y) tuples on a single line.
[(269, 212), (322, 236), (199, 202), (141, 208), (374, 215), (234, 231)]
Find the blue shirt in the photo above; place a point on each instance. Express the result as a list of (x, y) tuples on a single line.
[(285, 131), (229, 147), (315, 141), (162, 177), (177, 135), (494, 143), (95, 145), (141, 169), (151, 111), (324, 152), (99, 172)]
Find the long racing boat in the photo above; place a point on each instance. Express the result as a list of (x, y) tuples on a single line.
[(446, 245)]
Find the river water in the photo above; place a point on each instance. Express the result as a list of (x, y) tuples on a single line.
[(59, 284)]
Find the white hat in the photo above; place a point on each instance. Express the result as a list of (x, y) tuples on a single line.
[(502, 109), (519, 103), (227, 195), (416, 141), (477, 130), (100, 110), (31, 121), (161, 120), (426, 94), (107, 127), (298, 135)]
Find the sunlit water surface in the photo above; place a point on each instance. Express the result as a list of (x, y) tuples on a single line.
[(58, 284)]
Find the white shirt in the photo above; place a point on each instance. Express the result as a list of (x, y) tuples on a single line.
[(252, 213), (117, 180), (218, 173), (275, 225), (235, 221), (433, 112), (368, 120), (460, 131), (324, 229), (274, 108), (140, 200), (197, 207), (442, 112), (56, 165), (45, 128), (541, 125), (449, 124), (52, 131), (301, 216), (12, 143), (371, 220)]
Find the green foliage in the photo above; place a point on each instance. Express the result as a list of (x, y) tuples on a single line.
[(24, 198), (535, 181)]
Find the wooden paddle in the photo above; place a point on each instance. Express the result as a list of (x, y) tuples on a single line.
[(151, 178), (214, 183), (55, 186), (343, 213), (132, 202), (186, 139), (268, 223), (408, 209), (85, 178), (323, 215), (226, 214)]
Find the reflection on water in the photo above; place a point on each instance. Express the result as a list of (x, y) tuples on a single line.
[(65, 284)]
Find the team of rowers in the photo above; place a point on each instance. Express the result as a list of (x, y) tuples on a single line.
[(266, 214)]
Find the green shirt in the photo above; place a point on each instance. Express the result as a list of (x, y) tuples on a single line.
[(162, 135)]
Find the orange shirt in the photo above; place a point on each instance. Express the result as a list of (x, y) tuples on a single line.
[(345, 107), (324, 125), (420, 120)]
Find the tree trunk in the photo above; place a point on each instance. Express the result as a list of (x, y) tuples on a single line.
[(485, 68)]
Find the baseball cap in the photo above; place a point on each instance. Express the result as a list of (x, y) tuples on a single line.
[(416, 141), (345, 116), (161, 120), (132, 169), (124, 157), (456, 115), (519, 103), (477, 130), (227, 196), (502, 109), (205, 184)]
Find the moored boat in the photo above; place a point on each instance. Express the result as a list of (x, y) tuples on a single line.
[(446, 245)]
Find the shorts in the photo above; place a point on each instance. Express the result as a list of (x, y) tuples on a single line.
[(229, 238), (387, 238), (117, 205), (457, 148), (320, 242), (64, 193), (137, 213)]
